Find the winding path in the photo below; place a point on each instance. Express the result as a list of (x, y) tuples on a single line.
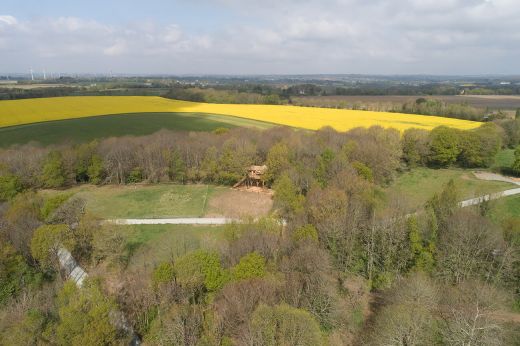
[(496, 177)]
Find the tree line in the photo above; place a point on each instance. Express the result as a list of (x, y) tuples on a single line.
[(220, 157)]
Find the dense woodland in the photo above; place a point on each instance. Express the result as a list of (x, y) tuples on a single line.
[(351, 265)]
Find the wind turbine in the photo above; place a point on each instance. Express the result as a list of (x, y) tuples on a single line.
[(32, 75), (44, 75)]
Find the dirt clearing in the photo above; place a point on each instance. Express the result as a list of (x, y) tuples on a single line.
[(236, 203)]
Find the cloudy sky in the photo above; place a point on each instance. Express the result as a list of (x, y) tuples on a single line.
[(261, 36)]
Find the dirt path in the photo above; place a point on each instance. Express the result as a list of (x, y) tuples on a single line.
[(480, 199), (496, 177), (174, 221)]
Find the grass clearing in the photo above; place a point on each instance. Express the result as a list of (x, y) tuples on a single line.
[(148, 245), (504, 160), (137, 124), (168, 201), (145, 201), (505, 208), (141, 201), (420, 184), (18, 112)]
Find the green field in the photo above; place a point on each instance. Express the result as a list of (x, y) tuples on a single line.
[(145, 201), (148, 245), (137, 124), (420, 184), (504, 160), (505, 208)]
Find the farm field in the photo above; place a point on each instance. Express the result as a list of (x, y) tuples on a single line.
[(18, 112), (510, 102), (138, 124), (168, 200), (420, 184)]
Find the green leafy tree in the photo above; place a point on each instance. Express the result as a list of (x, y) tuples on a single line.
[(95, 170), (415, 146), (33, 329), (53, 172), (209, 167), (323, 169), (84, 316), (516, 164), (52, 203), (517, 115), (135, 176), (177, 171), (200, 270), (284, 325), (307, 232), (422, 258), (163, 273), (10, 186), (15, 273), (444, 146), (278, 159), (46, 242), (480, 146), (363, 170), (443, 205), (84, 154), (287, 197), (250, 266)]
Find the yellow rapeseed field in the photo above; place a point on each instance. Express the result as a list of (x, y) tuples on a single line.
[(17, 112)]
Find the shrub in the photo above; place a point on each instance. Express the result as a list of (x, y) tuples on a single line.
[(284, 325), (250, 266), (10, 185), (53, 172), (163, 273)]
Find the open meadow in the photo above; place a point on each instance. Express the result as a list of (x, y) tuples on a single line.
[(420, 184), (18, 112), (168, 200)]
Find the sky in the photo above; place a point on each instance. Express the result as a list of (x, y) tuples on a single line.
[(261, 36)]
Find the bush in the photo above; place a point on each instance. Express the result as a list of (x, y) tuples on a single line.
[(95, 170), (307, 232), (135, 176), (284, 325), (250, 266), (163, 273), (53, 172), (10, 185), (516, 164), (200, 269), (85, 316), (363, 170), (46, 242), (15, 273), (53, 203)]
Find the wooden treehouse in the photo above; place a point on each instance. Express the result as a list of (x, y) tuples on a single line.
[(254, 177)]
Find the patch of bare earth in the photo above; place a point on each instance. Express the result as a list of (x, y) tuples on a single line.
[(241, 203)]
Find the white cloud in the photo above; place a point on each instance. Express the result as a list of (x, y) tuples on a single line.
[(291, 36), (117, 48), (8, 20)]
